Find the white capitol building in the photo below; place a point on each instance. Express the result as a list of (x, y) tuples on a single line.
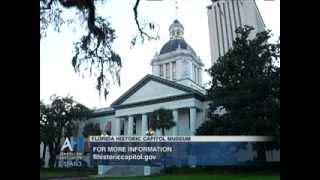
[(175, 84), (176, 79)]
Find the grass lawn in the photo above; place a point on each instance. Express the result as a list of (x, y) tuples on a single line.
[(181, 175), (200, 177), (49, 173)]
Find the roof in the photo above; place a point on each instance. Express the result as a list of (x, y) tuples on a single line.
[(174, 44), (103, 112), (176, 21), (150, 77)]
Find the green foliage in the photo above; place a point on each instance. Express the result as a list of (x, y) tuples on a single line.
[(57, 120), (162, 119), (43, 124), (91, 129), (245, 82), (41, 162)]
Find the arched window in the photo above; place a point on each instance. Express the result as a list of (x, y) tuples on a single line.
[(161, 70), (134, 126), (167, 71), (194, 72), (108, 128), (174, 76)]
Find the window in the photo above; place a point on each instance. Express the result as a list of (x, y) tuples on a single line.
[(122, 127), (135, 125), (199, 75), (167, 71), (174, 71), (194, 73), (161, 70), (108, 128)]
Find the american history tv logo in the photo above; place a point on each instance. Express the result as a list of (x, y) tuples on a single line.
[(73, 144)]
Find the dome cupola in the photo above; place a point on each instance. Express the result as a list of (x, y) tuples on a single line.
[(176, 30), (176, 41), (177, 61)]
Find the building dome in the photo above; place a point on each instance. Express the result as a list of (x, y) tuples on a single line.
[(177, 61), (174, 44), (176, 41)]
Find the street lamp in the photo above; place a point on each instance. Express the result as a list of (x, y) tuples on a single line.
[(147, 169), (150, 132)]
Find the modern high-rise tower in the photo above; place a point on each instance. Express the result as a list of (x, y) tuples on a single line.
[(224, 16)]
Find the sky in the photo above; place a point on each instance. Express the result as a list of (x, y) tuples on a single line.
[(56, 72)]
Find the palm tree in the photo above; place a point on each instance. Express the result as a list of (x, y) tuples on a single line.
[(162, 119)]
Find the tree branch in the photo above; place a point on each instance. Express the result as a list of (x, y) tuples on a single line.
[(48, 5), (135, 10), (69, 3)]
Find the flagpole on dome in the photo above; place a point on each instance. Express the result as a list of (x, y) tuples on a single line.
[(176, 9)]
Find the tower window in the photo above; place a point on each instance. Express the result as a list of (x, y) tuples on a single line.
[(161, 70), (167, 71), (135, 125), (174, 70), (199, 75), (122, 127), (194, 73)]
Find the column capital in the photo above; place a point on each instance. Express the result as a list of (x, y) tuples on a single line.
[(193, 107)]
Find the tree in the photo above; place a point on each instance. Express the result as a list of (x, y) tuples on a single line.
[(57, 120), (162, 119), (93, 53), (245, 85), (91, 129), (43, 128)]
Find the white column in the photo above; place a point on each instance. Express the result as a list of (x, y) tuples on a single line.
[(191, 76), (158, 132), (116, 126), (113, 126), (193, 117), (200, 76), (164, 70), (175, 119), (156, 70), (130, 126), (170, 70), (197, 75), (144, 125)]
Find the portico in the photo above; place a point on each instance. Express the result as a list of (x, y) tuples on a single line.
[(134, 121)]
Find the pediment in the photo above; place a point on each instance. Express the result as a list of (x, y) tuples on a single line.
[(150, 88)]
